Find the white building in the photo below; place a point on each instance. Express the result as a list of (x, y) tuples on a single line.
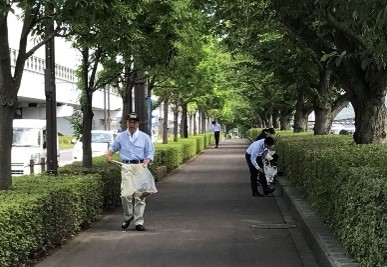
[(31, 95)]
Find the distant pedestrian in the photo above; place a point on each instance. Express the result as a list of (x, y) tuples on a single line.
[(215, 127), (253, 158), (135, 147)]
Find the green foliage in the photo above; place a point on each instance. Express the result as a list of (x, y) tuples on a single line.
[(345, 183), (110, 175), (362, 216), (40, 212), (253, 133), (173, 154), (65, 141), (76, 122), (189, 147)]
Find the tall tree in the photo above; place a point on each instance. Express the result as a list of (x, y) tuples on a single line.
[(150, 48), (98, 30), (34, 16), (180, 77), (352, 35)]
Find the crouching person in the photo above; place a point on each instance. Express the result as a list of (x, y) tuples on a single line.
[(253, 157)]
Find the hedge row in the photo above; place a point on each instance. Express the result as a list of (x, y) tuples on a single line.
[(41, 212), (347, 185)]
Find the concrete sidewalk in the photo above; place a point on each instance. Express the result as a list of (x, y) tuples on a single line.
[(203, 215)]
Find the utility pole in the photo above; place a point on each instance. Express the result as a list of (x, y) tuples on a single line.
[(141, 102), (108, 108), (104, 110), (50, 91)]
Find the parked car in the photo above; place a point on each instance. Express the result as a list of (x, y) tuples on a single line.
[(348, 129), (29, 144), (100, 141), (336, 128)]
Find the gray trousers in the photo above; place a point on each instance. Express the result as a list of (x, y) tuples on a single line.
[(134, 206)]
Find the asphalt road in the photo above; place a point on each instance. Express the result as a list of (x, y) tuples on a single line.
[(203, 215), (66, 157)]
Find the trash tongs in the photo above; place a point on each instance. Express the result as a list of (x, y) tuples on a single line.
[(117, 163)]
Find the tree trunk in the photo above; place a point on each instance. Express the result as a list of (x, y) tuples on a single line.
[(175, 124), (326, 107), (190, 125), (86, 107), (323, 120), (300, 122), (370, 120), (6, 117), (285, 121), (126, 109), (301, 115), (203, 123), (9, 87), (127, 98), (367, 93), (86, 129), (371, 112), (324, 117), (184, 121), (275, 119), (264, 121), (323, 104), (195, 126), (165, 122)]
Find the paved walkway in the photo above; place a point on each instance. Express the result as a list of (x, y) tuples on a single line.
[(203, 215)]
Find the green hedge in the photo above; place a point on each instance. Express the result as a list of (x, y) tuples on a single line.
[(41, 212), (202, 141), (346, 184), (189, 147), (253, 133), (110, 175), (65, 141)]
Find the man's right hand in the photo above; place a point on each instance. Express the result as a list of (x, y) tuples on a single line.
[(109, 156)]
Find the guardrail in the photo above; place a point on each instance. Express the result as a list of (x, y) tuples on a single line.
[(42, 164)]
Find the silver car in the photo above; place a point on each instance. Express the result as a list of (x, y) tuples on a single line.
[(100, 141)]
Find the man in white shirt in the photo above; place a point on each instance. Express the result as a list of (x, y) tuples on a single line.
[(254, 161), (215, 127)]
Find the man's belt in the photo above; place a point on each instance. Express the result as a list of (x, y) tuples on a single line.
[(133, 161)]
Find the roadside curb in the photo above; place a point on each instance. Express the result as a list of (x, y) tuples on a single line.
[(327, 248)]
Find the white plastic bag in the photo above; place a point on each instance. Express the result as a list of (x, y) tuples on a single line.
[(137, 179), (270, 171)]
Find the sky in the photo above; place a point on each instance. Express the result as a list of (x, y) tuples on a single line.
[(65, 55)]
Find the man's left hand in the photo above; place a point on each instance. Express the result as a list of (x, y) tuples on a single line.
[(146, 162)]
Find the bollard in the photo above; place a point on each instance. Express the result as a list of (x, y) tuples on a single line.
[(43, 164), (31, 166)]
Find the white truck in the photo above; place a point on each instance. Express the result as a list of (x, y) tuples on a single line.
[(29, 142)]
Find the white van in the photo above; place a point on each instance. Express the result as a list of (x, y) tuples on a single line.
[(29, 142)]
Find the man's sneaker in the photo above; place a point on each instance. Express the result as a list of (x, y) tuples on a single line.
[(126, 223), (140, 227)]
